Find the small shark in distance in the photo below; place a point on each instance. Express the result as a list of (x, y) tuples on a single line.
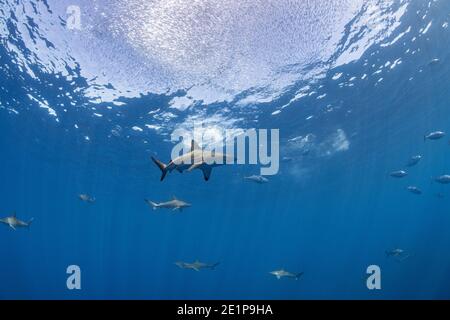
[(286, 274), (399, 254), (257, 179), (14, 223), (197, 158), (197, 265), (86, 198), (173, 204)]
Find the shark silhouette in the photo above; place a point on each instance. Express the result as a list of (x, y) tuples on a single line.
[(197, 158), (14, 223), (173, 204)]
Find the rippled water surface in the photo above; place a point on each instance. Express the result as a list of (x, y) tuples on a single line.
[(353, 86)]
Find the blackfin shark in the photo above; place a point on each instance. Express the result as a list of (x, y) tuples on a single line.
[(197, 158), (257, 179), (436, 135), (197, 265), (286, 274), (15, 223), (173, 204)]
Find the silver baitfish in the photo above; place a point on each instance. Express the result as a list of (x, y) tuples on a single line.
[(414, 190), (444, 179), (436, 135), (398, 174), (414, 160)]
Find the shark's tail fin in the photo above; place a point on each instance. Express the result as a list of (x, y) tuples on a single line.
[(298, 275), (152, 204), (213, 266), (162, 167), (29, 222)]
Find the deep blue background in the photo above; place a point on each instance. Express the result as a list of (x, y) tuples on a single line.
[(330, 224)]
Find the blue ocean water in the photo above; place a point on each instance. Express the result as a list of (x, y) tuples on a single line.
[(353, 87)]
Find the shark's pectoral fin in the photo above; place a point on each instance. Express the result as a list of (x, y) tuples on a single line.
[(206, 172), (12, 227), (278, 277), (194, 166), (196, 269)]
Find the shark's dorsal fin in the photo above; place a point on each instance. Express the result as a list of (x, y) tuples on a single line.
[(194, 145), (174, 198), (14, 214)]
